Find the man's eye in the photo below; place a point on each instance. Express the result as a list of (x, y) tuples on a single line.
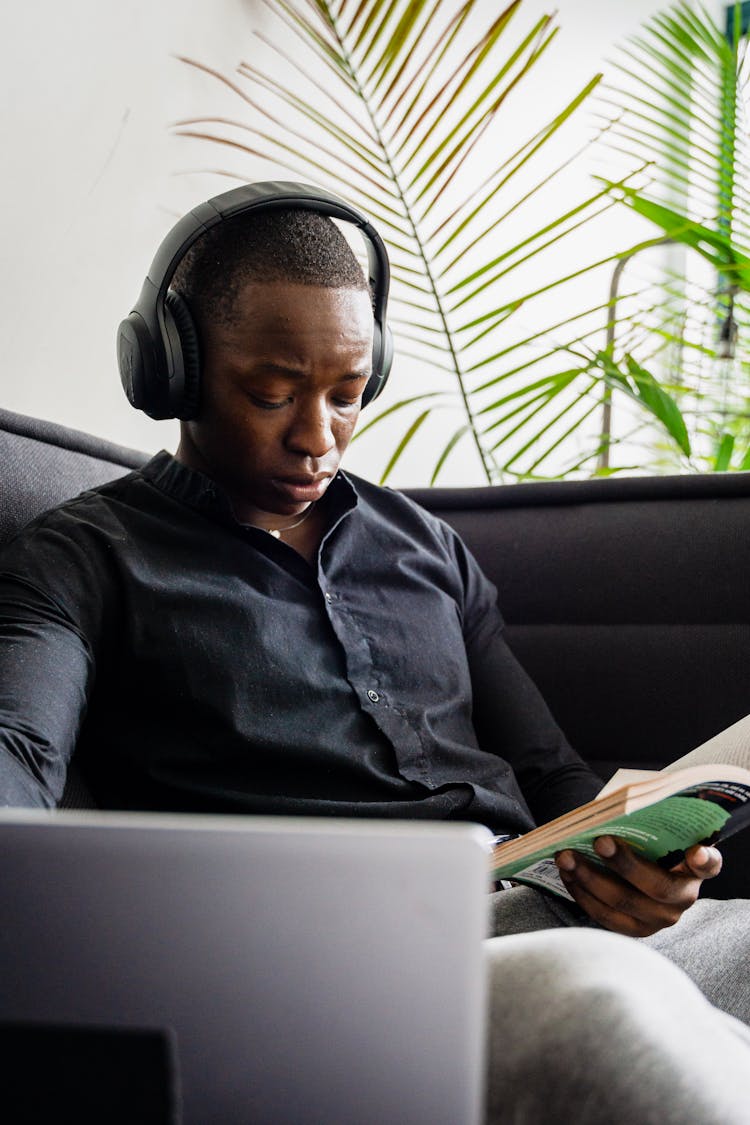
[(268, 404)]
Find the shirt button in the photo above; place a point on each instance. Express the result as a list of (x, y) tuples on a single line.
[(329, 597), (373, 696)]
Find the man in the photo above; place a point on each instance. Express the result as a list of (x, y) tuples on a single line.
[(246, 628)]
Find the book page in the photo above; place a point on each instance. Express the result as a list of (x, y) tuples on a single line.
[(624, 777), (729, 747)]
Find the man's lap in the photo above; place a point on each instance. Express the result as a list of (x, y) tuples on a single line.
[(597, 1027), (711, 942)]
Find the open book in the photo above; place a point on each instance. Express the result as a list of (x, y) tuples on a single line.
[(699, 799)]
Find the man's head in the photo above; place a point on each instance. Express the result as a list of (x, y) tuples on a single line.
[(157, 343), (285, 329), (260, 247)]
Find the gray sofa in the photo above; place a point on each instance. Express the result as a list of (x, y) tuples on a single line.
[(626, 600)]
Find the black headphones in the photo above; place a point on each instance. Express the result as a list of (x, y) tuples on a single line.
[(157, 344)]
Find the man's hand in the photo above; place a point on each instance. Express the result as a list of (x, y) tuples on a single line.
[(632, 895)]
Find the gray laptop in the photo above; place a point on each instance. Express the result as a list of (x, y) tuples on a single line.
[(300, 971)]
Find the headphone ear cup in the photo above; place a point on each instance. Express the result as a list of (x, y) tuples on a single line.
[(136, 360), (382, 361), (387, 358), (184, 390)]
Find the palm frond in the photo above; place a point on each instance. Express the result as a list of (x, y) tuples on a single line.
[(398, 105), (681, 107)]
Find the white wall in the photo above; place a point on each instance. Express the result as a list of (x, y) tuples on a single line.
[(93, 178)]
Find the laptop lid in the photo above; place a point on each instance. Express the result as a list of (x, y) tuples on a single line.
[(304, 970)]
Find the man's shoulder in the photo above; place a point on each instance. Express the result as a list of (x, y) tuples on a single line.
[(397, 518), (71, 556), (391, 501), (98, 507), (399, 525)]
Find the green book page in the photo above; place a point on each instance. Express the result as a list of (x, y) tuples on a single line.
[(672, 825)]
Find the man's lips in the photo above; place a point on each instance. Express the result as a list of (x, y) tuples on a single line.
[(303, 489)]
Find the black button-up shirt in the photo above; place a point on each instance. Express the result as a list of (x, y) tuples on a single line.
[(196, 664)]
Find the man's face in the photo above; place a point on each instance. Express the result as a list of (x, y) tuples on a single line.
[(280, 395)]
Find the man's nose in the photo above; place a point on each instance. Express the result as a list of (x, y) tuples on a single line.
[(311, 431)]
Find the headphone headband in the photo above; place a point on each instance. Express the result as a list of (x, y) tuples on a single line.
[(158, 352)]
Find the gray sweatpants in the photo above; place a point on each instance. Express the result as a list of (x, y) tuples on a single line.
[(592, 1028)]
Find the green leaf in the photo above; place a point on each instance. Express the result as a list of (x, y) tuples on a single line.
[(403, 443), (446, 452), (412, 119), (724, 453), (392, 410), (710, 244), (642, 386), (461, 217)]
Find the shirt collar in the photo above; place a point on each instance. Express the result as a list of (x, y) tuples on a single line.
[(194, 488)]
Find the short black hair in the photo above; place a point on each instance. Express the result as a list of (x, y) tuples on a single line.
[(293, 245)]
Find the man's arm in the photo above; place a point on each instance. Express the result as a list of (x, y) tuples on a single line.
[(631, 895), (45, 672), (511, 718)]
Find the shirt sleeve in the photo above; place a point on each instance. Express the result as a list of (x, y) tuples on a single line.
[(45, 670), (511, 718), (50, 615)]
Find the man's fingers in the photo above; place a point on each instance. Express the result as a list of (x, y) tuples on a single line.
[(608, 915), (620, 905), (655, 881), (703, 862), (652, 881)]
